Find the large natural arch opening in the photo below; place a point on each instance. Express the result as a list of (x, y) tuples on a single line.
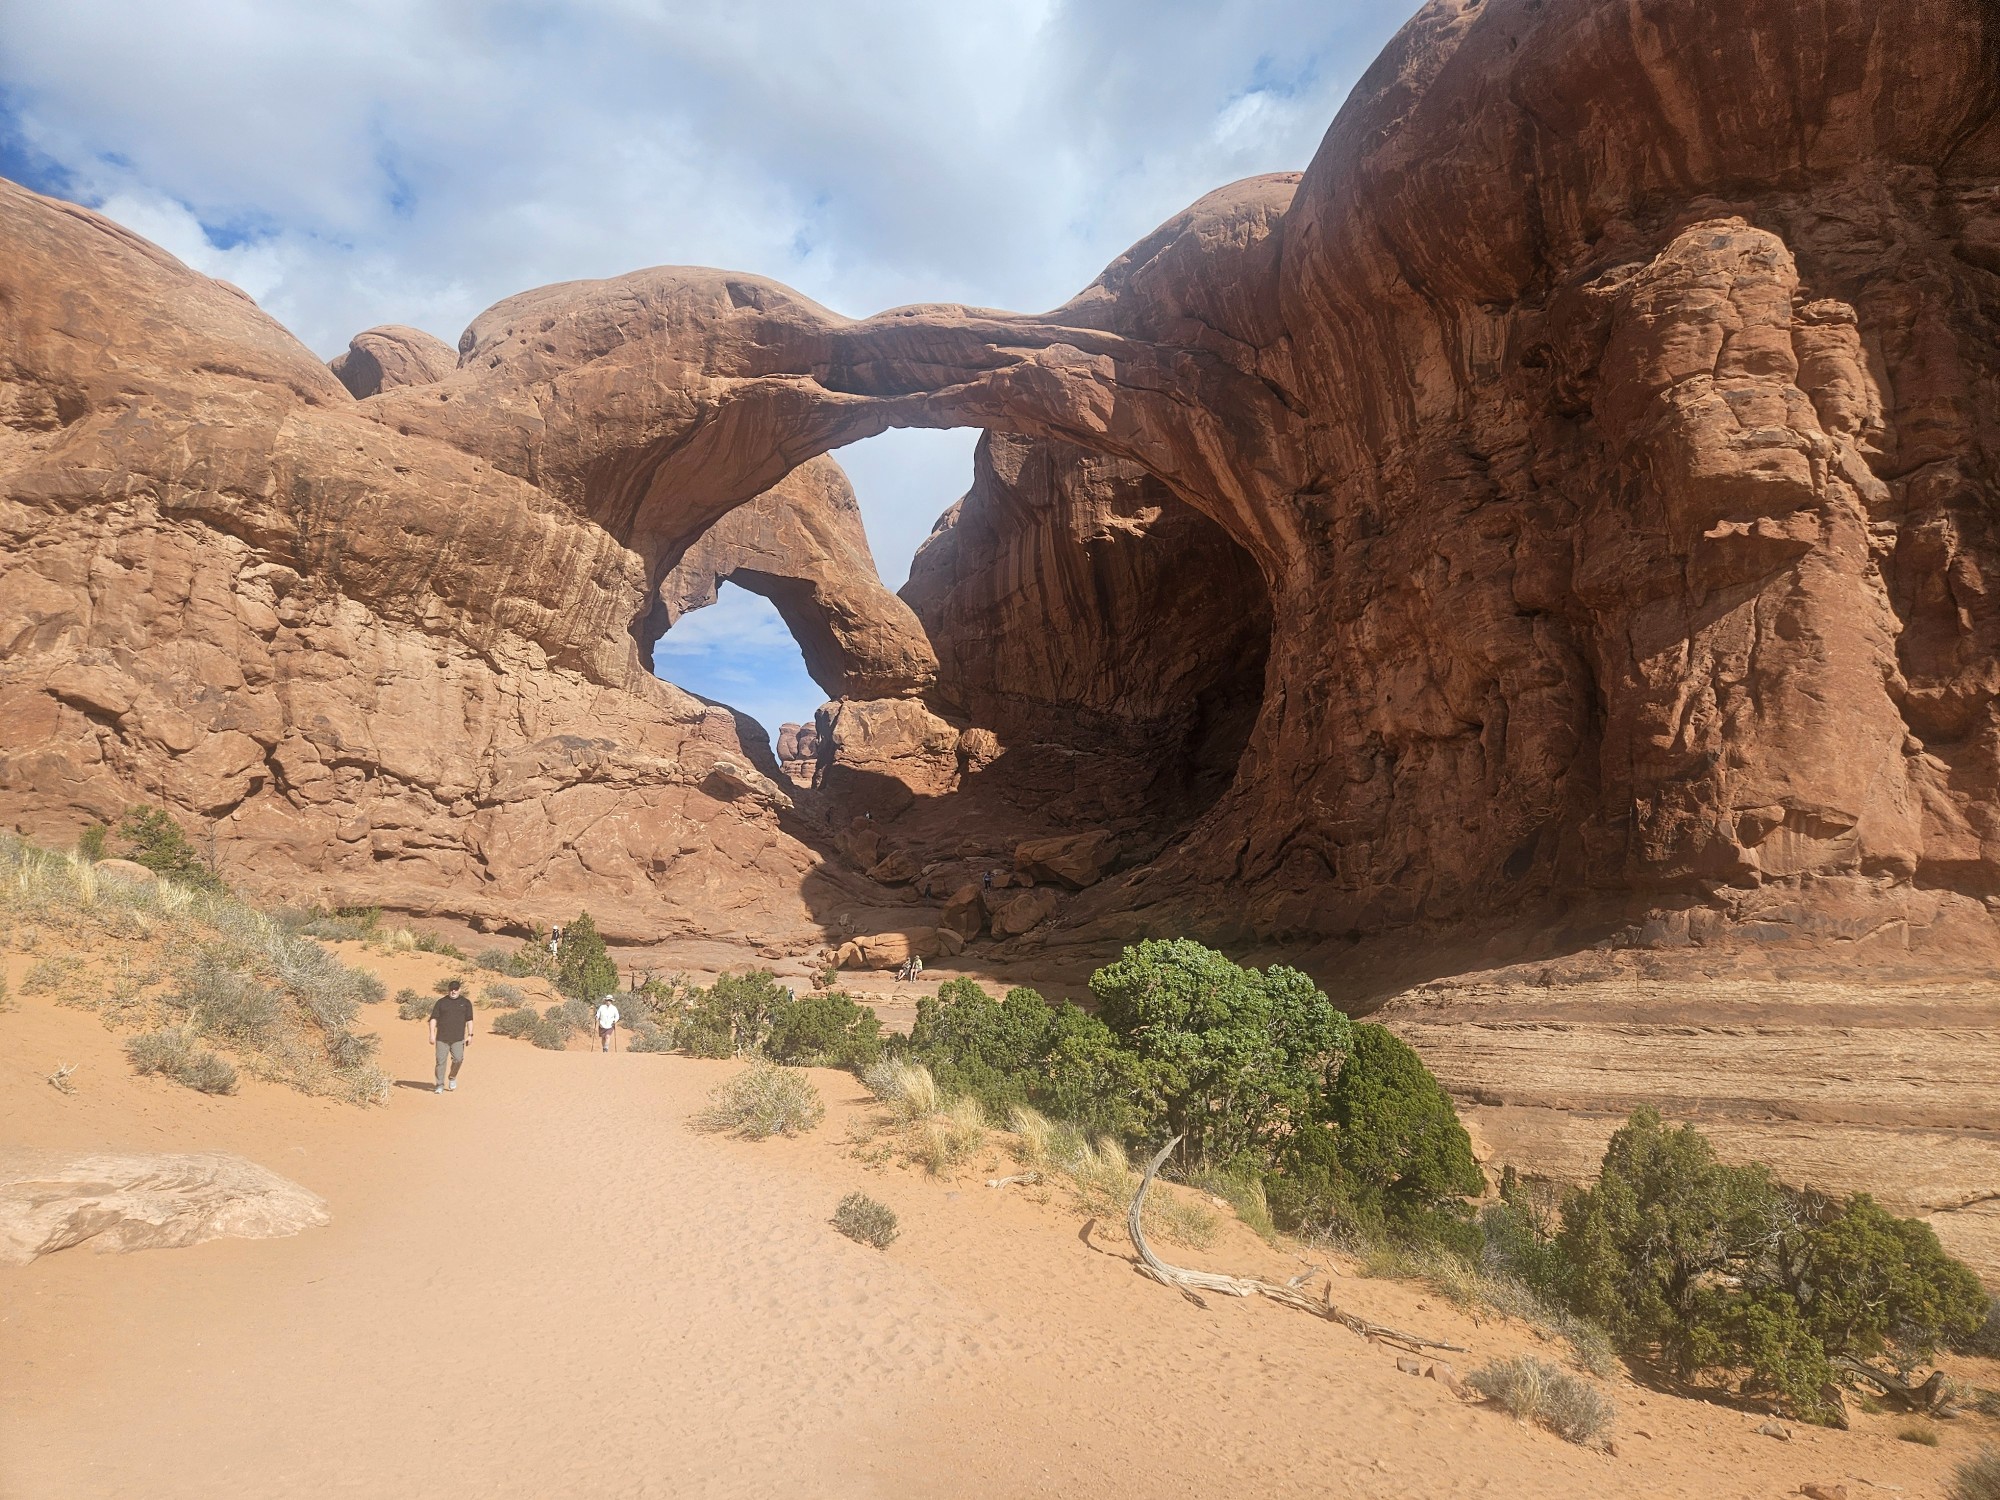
[(1077, 651)]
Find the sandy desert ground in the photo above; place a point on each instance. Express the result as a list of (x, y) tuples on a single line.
[(546, 1284)]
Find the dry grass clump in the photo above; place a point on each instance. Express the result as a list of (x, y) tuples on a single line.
[(172, 1053), (1101, 1175), (218, 971), (763, 1100), (1978, 1478), (935, 1132), (907, 1088), (861, 1218), (1549, 1396), (1470, 1285), (944, 1139), (1921, 1433)]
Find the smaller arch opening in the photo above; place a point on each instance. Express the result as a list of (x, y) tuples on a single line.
[(739, 652)]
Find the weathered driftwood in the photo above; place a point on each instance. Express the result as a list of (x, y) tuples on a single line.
[(1933, 1395), (1023, 1177), (1191, 1284)]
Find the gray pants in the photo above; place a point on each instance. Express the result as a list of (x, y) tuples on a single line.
[(454, 1052)]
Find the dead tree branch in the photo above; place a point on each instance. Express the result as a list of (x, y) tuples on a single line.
[(1191, 1284)]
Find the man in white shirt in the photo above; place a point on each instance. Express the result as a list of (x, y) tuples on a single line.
[(607, 1022)]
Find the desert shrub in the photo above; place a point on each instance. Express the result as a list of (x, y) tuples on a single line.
[(410, 1006), (732, 1017), (647, 1036), (443, 986), (1233, 1060), (1103, 1177), (584, 970), (495, 961), (1385, 1161), (348, 1051), (520, 1024), (149, 836), (227, 1005), (1718, 1270), (1024, 1051), (1180, 1219), (1978, 1478), (762, 1100), (499, 992), (827, 1029), (861, 1218), (425, 943), (1923, 1434), (397, 940), (51, 974), (90, 843), (246, 978), (551, 1030), (1547, 1395), (1985, 1339), (171, 1053)]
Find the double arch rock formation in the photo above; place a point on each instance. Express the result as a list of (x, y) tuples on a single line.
[(1572, 494)]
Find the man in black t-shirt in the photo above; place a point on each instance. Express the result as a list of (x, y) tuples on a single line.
[(451, 1027)]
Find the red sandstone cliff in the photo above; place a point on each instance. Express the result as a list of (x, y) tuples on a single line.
[(1607, 413)]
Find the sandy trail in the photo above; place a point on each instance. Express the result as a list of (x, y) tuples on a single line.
[(544, 1284)]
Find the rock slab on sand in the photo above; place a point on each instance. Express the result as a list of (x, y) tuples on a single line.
[(144, 1202)]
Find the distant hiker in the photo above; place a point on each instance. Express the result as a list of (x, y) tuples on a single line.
[(916, 967), (989, 880), (607, 1022), (451, 1028), (555, 941)]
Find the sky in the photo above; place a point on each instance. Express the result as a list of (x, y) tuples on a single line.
[(355, 162)]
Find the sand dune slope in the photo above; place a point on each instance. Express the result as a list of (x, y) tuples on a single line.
[(546, 1285)]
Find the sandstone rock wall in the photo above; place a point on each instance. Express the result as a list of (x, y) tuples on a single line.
[(1076, 602), (801, 545), (374, 669), (1608, 415)]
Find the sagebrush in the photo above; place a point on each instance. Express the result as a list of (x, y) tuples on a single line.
[(763, 1100), (228, 975), (1536, 1391), (862, 1218)]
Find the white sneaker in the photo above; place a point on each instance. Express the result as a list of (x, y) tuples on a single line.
[(451, 1083), (438, 1090)]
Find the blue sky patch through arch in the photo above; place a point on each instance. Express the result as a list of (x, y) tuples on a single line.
[(739, 651)]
